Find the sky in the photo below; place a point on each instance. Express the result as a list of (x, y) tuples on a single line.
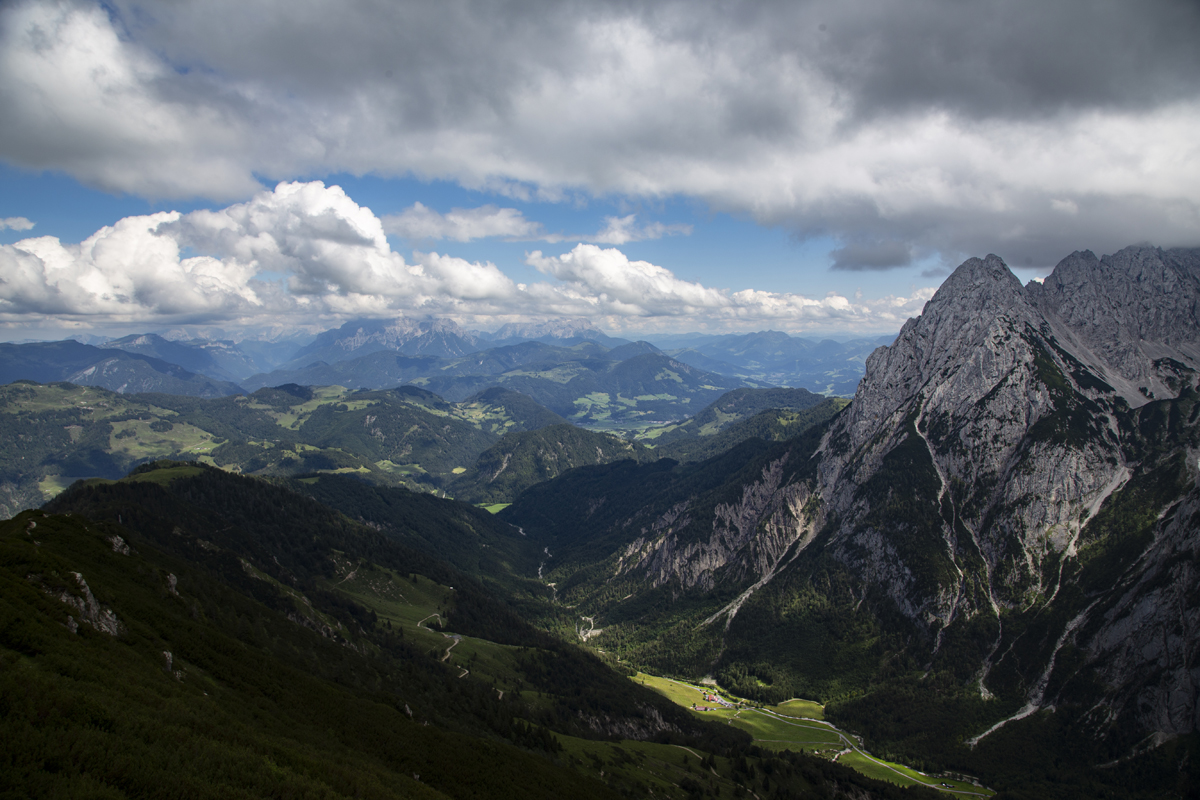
[(815, 167)]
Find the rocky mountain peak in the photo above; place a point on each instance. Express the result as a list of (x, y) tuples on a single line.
[(1136, 312), (979, 308), (982, 283)]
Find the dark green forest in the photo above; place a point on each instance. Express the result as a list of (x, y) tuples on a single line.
[(185, 632)]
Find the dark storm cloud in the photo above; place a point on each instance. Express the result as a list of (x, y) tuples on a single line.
[(988, 59), (872, 256), (1029, 129)]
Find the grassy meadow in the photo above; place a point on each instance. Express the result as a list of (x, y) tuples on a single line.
[(798, 725)]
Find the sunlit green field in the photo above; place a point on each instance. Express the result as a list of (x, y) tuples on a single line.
[(790, 726), (779, 733), (809, 709), (797, 725)]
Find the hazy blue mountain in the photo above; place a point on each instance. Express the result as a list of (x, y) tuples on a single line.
[(386, 367), (222, 360), (565, 332), (113, 369), (825, 366), (379, 369), (632, 349), (439, 338)]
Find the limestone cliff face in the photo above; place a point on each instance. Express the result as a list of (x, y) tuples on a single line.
[(1145, 641), (1135, 311), (748, 538), (1018, 451), (1007, 441), (1009, 417)]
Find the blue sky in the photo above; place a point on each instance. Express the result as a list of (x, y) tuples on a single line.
[(816, 167), (720, 250)]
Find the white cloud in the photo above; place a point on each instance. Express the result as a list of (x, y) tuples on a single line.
[(622, 230), (420, 222), (945, 129), (80, 98), (616, 286), (1064, 206), (15, 224), (306, 254), (300, 252)]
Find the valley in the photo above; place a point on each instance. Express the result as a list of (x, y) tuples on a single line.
[(983, 565)]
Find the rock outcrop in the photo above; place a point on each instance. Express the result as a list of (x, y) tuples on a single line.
[(87, 607)]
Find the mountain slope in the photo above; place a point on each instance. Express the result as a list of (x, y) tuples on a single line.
[(995, 527), (772, 425), (112, 369), (291, 652), (519, 460), (591, 391), (731, 408), (61, 432), (162, 653)]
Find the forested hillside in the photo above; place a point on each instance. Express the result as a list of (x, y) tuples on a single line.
[(406, 436), (289, 650)]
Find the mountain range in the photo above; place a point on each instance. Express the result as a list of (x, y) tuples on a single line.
[(775, 358), (490, 446), (451, 361), (983, 565)]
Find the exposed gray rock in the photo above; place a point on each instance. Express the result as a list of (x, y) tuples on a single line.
[(1132, 310), (961, 482), (749, 537), (649, 725), (87, 608)]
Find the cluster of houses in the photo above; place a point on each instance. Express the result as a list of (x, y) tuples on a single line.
[(712, 698)]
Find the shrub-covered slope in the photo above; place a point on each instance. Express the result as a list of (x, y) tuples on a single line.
[(731, 408), (192, 633), (772, 425), (519, 460)]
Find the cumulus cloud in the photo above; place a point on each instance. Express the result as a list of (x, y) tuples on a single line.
[(15, 224), (461, 224), (615, 286), (305, 254), (1014, 127), (300, 252), (81, 98)]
